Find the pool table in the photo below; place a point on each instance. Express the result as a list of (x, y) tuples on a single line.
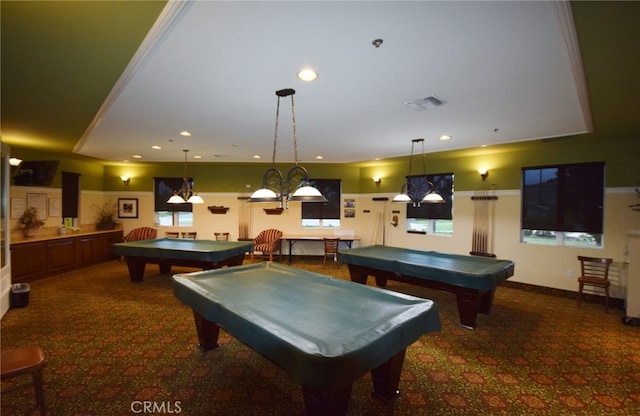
[(325, 332), (473, 279), (167, 252)]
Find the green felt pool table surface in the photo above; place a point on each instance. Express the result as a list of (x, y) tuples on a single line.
[(325, 332), (206, 254)]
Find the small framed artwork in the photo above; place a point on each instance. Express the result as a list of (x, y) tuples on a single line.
[(54, 207), (39, 202), (127, 207)]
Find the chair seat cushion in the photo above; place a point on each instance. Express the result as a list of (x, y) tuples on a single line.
[(21, 360), (590, 280), (263, 247)]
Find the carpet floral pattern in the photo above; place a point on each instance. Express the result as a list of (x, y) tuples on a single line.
[(114, 347)]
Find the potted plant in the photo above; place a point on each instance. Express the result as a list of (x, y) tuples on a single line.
[(30, 222), (106, 216)]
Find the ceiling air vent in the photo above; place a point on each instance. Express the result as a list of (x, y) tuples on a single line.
[(420, 104)]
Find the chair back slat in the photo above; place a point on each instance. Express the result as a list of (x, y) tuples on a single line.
[(221, 236), (595, 266)]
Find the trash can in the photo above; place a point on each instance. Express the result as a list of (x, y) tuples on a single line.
[(20, 295)]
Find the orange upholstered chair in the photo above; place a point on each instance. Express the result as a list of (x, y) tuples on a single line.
[(141, 233), (268, 242)]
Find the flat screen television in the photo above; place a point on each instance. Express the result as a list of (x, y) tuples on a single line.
[(36, 173)]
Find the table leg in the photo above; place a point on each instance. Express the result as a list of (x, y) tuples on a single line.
[(290, 250), (468, 309), (486, 300), (136, 269), (165, 266), (207, 332), (386, 378), (326, 403)]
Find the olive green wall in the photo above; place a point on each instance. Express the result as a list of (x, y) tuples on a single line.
[(504, 164), (92, 172)]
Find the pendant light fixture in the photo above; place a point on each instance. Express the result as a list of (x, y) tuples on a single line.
[(296, 186), (185, 194), (420, 193)]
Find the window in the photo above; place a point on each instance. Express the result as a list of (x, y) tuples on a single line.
[(432, 218), (171, 214), (70, 194), (323, 215), (563, 205)]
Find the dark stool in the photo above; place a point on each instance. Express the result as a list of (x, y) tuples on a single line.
[(25, 360)]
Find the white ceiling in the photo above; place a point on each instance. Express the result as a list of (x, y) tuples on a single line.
[(508, 72)]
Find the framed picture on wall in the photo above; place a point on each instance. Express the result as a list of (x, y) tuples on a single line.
[(39, 202), (127, 207)]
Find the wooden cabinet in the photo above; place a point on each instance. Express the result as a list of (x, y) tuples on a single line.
[(47, 257), (28, 260), (61, 255)]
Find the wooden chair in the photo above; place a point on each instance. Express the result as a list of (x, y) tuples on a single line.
[(594, 271), (331, 250), (268, 242), (21, 361), (172, 234), (190, 234), (222, 236)]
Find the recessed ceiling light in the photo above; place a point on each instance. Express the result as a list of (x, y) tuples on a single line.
[(185, 133), (444, 137), (156, 147), (136, 156), (319, 157), (307, 74), (197, 157), (257, 157)]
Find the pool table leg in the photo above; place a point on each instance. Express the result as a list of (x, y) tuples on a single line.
[(326, 403), (136, 269), (386, 378), (470, 303), (486, 300), (165, 267), (207, 332)]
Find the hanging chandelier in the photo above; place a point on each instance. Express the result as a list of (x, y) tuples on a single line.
[(417, 193), (296, 186), (185, 193)]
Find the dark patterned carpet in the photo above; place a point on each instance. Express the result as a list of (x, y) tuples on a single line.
[(114, 347)]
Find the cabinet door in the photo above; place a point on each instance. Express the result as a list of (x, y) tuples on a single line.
[(28, 260), (61, 255), (91, 249)]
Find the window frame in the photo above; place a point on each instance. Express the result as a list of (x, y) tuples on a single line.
[(570, 208), (312, 214)]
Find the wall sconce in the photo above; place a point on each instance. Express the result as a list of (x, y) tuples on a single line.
[(14, 161), (377, 180), (125, 180), (484, 172)]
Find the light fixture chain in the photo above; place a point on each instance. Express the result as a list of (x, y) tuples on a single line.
[(295, 139), (275, 134)]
